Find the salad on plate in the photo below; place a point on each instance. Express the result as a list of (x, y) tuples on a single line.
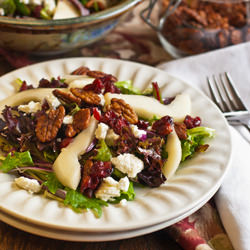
[(53, 9), (88, 139)]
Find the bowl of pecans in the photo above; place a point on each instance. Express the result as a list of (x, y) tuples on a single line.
[(44, 27), (192, 27)]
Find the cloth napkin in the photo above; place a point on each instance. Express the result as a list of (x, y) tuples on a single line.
[(232, 199)]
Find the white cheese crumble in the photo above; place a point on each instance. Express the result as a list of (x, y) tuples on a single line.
[(137, 132), (30, 185), (2, 12), (50, 5), (101, 131), (102, 100), (53, 101), (68, 119), (128, 164), (31, 107), (123, 202), (111, 137), (111, 188)]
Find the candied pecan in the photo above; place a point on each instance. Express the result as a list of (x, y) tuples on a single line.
[(181, 130), (87, 96), (81, 121), (100, 74), (80, 71), (66, 96), (124, 109), (48, 124)]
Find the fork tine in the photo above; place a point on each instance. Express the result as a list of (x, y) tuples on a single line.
[(223, 100), (235, 91), (212, 92)]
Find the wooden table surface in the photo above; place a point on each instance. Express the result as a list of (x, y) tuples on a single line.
[(14, 239)]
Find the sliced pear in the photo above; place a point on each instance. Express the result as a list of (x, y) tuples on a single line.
[(65, 9), (66, 166), (173, 147), (147, 107), (26, 96)]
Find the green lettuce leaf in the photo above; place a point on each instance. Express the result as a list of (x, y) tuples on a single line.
[(52, 183), (195, 138), (16, 160), (103, 152), (129, 195), (78, 201), (127, 87), (22, 8), (8, 6)]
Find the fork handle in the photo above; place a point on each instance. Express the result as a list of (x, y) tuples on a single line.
[(238, 123)]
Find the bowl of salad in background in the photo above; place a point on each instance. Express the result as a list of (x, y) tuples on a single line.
[(57, 26)]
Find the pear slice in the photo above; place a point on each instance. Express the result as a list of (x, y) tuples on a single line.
[(26, 96), (148, 107), (173, 147), (65, 9), (66, 166)]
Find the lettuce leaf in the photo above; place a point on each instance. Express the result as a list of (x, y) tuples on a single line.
[(52, 183), (129, 195), (127, 87), (8, 6), (103, 152), (16, 160), (78, 201), (195, 138)]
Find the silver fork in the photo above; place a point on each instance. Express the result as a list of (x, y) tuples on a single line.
[(227, 98)]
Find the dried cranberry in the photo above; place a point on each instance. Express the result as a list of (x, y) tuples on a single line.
[(110, 87), (92, 175), (168, 100), (191, 122), (96, 114), (164, 126), (142, 124), (65, 142), (114, 121), (96, 86), (25, 86)]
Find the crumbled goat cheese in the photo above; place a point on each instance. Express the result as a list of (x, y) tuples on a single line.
[(50, 5), (111, 188), (101, 131), (25, 1), (30, 185), (31, 107), (123, 202), (2, 12), (102, 100), (68, 119), (128, 164), (137, 132), (53, 101), (111, 137)]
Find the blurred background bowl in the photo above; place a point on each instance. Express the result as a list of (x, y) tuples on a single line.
[(48, 37)]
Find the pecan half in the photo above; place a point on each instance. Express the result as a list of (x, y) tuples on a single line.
[(181, 130), (48, 124), (87, 96), (80, 71), (99, 74), (122, 108), (81, 121), (66, 96)]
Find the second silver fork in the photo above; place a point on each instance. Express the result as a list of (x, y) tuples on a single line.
[(227, 98)]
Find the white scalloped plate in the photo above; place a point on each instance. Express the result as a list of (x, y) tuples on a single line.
[(194, 183)]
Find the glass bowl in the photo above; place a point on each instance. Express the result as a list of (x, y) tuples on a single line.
[(190, 27), (45, 37)]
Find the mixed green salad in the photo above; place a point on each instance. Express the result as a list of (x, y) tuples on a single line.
[(53, 9), (88, 139)]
